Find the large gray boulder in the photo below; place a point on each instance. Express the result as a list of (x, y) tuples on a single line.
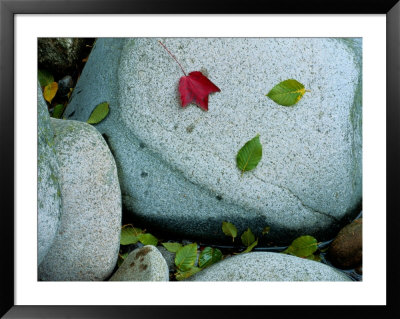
[(267, 266), (87, 242), (177, 166), (49, 194)]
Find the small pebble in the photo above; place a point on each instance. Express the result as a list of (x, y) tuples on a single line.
[(143, 264), (64, 85)]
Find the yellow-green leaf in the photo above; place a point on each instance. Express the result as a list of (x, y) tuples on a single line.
[(287, 93), (99, 113), (180, 275), (172, 247), (148, 239), (249, 155), (302, 246), (186, 257), (130, 235), (229, 230), (50, 91), (250, 248), (248, 237)]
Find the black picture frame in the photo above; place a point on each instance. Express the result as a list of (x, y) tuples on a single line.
[(8, 10)]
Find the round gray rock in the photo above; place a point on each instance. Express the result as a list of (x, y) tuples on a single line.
[(143, 264), (49, 194), (267, 266), (87, 243), (177, 166)]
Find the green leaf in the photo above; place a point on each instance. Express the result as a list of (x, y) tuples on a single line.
[(250, 248), (266, 230), (50, 91), (209, 256), (148, 239), (45, 77), (249, 155), (248, 237), (303, 246), (58, 111), (229, 230), (130, 235), (287, 93), (186, 257), (172, 247), (99, 113), (121, 259), (180, 275)]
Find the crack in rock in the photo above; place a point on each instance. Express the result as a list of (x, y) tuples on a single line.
[(312, 210)]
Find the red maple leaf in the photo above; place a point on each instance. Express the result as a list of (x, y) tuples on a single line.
[(194, 87)]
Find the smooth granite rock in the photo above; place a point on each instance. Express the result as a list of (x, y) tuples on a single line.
[(267, 266), (177, 166), (87, 243), (143, 264), (49, 194)]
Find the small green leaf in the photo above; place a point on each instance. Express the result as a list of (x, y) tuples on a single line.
[(249, 155), (130, 235), (99, 113), (287, 93), (172, 247), (266, 230), (209, 256), (303, 246), (50, 91), (58, 111), (148, 239), (45, 77), (250, 248), (248, 237), (180, 275), (121, 259), (229, 230), (186, 257)]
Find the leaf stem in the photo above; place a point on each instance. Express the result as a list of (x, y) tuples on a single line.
[(172, 56)]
